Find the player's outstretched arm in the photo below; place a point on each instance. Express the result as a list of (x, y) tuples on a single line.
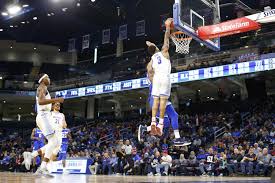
[(32, 135), (43, 101), (148, 43), (165, 47), (150, 71)]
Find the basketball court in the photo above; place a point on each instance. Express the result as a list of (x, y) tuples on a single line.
[(26, 178)]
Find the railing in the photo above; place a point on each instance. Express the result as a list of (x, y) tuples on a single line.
[(218, 133), (125, 132), (107, 138)]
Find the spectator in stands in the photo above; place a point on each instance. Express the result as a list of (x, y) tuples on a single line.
[(181, 165), (113, 162), (166, 162), (264, 162), (120, 153), (273, 151), (207, 164), (106, 164), (247, 162), (137, 162), (128, 156), (234, 162), (222, 164), (257, 149), (154, 163)]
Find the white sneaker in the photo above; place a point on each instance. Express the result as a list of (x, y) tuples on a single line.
[(205, 175), (27, 160), (150, 174), (157, 174), (43, 172)]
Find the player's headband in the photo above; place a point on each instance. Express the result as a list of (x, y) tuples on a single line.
[(45, 75)]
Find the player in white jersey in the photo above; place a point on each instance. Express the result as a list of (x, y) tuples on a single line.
[(59, 123), (44, 122), (160, 65)]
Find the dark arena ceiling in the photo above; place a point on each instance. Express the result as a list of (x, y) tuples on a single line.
[(55, 21)]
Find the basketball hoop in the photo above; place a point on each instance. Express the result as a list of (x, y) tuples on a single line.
[(182, 42)]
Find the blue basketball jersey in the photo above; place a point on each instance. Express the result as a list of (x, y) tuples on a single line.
[(38, 134), (37, 144), (65, 139)]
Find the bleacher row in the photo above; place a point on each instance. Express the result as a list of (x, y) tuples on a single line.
[(246, 147)]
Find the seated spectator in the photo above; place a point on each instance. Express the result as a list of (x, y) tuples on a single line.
[(181, 165), (106, 164), (166, 162), (264, 162), (113, 162), (155, 162), (247, 162), (207, 165), (236, 133), (137, 162), (257, 149), (96, 166), (222, 164), (234, 162)]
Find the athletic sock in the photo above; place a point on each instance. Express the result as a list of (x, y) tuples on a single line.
[(161, 121), (34, 154), (43, 165), (177, 134), (160, 125), (153, 121)]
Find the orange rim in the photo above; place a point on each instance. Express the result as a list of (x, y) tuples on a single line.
[(175, 34)]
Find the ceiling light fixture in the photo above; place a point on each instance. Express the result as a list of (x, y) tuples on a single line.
[(1, 30), (25, 5), (14, 9), (35, 18), (4, 14)]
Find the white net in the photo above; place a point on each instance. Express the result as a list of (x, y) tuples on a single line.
[(182, 42)]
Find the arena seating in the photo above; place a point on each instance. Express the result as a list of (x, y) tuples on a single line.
[(100, 140)]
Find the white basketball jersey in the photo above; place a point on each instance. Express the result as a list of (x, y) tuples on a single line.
[(161, 65), (47, 107), (58, 119)]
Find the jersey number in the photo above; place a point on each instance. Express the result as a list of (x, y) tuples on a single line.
[(159, 59), (56, 121), (64, 135)]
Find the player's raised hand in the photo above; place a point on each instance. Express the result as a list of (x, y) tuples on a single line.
[(60, 100), (148, 43), (168, 22)]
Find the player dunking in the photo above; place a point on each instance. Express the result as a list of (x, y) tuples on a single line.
[(62, 134), (44, 122), (170, 116), (160, 65)]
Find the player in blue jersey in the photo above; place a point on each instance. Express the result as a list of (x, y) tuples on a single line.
[(64, 147), (38, 142), (170, 115)]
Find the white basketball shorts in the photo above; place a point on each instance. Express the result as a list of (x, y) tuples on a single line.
[(161, 86), (44, 122)]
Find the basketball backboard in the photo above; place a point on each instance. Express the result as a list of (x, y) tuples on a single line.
[(188, 15)]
